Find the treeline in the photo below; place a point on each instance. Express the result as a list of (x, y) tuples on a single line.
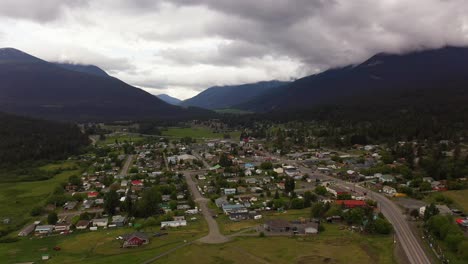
[(25, 139)]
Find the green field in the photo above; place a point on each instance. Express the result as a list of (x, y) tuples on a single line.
[(121, 138), (18, 198), (97, 246), (196, 133), (332, 246)]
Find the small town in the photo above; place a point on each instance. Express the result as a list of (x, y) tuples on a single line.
[(153, 187)]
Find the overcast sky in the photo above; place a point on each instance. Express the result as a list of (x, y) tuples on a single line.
[(182, 47)]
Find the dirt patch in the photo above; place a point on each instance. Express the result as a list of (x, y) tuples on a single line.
[(316, 259)]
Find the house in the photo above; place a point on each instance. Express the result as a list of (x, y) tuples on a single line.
[(62, 227), (241, 189), (70, 205), (183, 207), (88, 204), (228, 208), (389, 190), (82, 224), (251, 181), (186, 157), (336, 190), (230, 191), (27, 230), (174, 223), (172, 160), (220, 202), (123, 183), (179, 218), (100, 222), (277, 225), (92, 195), (119, 220), (386, 178), (137, 183), (351, 203), (239, 214), (43, 230), (135, 239)]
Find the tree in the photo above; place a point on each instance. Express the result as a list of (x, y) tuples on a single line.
[(74, 180), (36, 211), (289, 185), (276, 195), (309, 197), (297, 203), (129, 206), (52, 218), (318, 210), (430, 211), (320, 190), (266, 166), (148, 205), (382, 226), (224, 161), (414, 213), (111, 201), (425, 186)]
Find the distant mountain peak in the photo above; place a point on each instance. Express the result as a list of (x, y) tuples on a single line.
[(169, 99)]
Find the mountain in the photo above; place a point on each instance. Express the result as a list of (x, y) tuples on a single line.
[(438, 76), (169, 99), (34, 87), (90, 69), (25, 139), (221, 97)]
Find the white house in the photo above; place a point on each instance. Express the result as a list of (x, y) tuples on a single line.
[(389, 190), (176, 223)]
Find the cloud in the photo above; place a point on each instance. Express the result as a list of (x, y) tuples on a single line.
[(42, 11), (184, 46)]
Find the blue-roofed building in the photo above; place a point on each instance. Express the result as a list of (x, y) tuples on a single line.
[(228, 208)]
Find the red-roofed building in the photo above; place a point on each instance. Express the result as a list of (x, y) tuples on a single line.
[(93, 194), (351, 203), (137, 183)]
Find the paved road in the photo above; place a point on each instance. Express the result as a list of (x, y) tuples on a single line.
[(214, 236), (410, 244), (126, 166)]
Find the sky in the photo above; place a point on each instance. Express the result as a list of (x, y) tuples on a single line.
[(182, 47)]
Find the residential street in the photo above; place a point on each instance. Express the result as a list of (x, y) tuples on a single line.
[(127, 164), (214, 236)]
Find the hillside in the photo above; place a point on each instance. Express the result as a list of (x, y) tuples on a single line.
[(169, 99), (25, 139), (221, 97), (434, 77), (33, 87)]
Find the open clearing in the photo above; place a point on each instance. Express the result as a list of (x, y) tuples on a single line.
[(459, 198), (196, 133), (332, 246)]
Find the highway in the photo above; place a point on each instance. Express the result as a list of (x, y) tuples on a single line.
[(409, 243)]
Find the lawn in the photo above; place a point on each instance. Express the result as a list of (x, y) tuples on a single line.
[(18, 198), (97, 246), (196, 133), (332, 246)]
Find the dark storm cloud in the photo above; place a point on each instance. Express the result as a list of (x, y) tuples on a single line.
[(37, 10)]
